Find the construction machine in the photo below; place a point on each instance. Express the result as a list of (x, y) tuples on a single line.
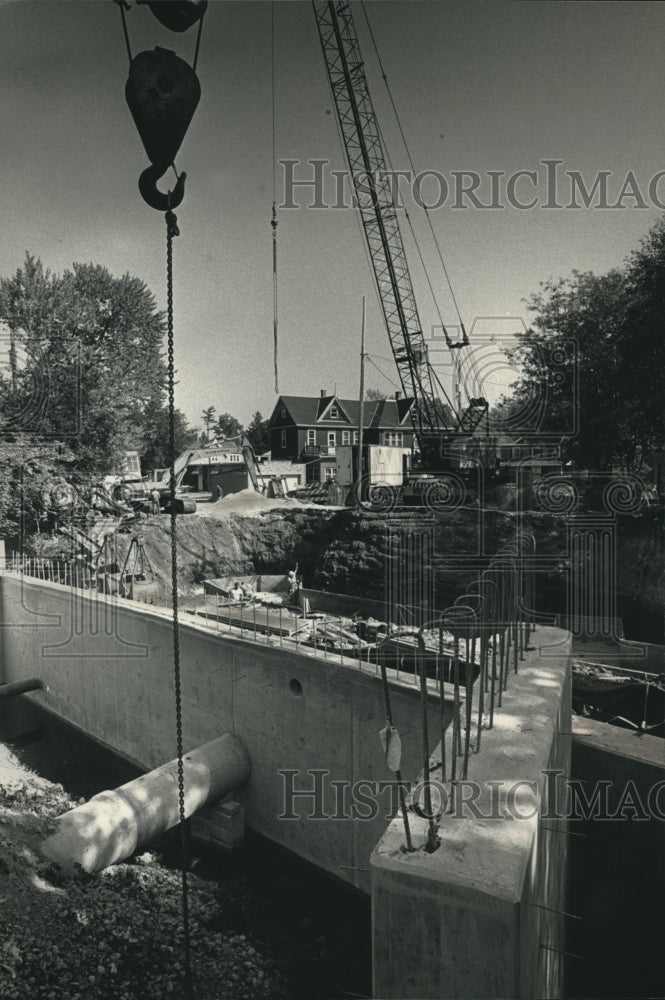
[(438, 425), (161, 478), (138, 581)]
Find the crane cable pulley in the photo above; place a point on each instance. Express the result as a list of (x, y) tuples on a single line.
[(162, 92)]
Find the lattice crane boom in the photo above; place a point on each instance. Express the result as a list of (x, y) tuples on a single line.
[(374, 194)]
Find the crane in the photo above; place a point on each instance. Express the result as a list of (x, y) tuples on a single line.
[(436, 426)]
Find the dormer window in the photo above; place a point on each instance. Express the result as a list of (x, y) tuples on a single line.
[(334, 413)]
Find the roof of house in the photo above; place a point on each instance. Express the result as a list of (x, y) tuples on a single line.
[(310, 410), (213, 454)]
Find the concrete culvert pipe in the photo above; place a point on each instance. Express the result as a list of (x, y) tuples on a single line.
[(112, 825)]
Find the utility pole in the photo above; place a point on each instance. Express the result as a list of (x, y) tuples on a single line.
[(359, 471), (457, 383)]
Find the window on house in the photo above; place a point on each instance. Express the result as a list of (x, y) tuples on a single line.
[(393, 438), (334, 413), (355, 437), (330, 474), (346, 437), (332, 439), (311, 436), (283, 439)]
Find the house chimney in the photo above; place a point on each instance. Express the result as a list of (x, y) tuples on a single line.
[(323, 394), (398, 394)]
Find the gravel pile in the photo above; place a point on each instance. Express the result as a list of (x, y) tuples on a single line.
[(249, 503)]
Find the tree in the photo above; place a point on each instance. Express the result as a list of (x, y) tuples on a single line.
[(643, 372), (91, 367), (616, 322), (32, 481), (208, 417), (375, 394), (156, 449), (258, 433), (228, 427), (585, 387)]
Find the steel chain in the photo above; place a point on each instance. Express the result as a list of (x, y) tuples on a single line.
[(171, 231)]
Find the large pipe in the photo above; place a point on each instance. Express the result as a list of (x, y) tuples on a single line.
[(21, 687), (112, 825)]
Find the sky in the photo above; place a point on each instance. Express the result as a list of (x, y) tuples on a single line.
[(492, 88)]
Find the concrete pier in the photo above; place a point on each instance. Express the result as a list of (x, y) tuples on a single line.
[(482, 915)]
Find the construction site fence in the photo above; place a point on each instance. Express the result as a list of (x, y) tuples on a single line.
[(487, 626)]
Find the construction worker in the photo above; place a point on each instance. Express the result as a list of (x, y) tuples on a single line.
[(236, 593), (292, 577), (154, 499)]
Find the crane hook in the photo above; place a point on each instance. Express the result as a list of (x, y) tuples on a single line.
[(151, 193), (162, 92)]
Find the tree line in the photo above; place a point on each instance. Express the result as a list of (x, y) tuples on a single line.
[(84, 377), (610, 387), (83, 380)]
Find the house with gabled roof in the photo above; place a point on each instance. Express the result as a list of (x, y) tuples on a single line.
[(308, 429)]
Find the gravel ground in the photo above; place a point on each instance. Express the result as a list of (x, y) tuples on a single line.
[(263, 924), (116, 934)]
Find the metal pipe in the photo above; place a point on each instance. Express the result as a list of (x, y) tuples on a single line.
[(21, 687)]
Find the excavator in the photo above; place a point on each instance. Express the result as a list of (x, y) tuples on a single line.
[(438, 426)]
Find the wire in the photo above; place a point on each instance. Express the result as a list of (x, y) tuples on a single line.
[(272, 83), (121, 5), (383, 374), (363, 237), (422, 261), (273, 221), (411, 164), (198, 40)]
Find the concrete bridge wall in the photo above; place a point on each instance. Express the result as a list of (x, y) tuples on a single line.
[(480, 917), (108, 665)]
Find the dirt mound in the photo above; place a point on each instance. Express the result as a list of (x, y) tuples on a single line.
[(248, 503)]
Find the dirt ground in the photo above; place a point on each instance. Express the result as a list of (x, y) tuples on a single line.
[(115, 934)]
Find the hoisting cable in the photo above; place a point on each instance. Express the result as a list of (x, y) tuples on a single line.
[(425, 270), (171, 231), (162, 125), (273, 221), (383, 374), (198, 41), (465, 338), (123, 5)]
